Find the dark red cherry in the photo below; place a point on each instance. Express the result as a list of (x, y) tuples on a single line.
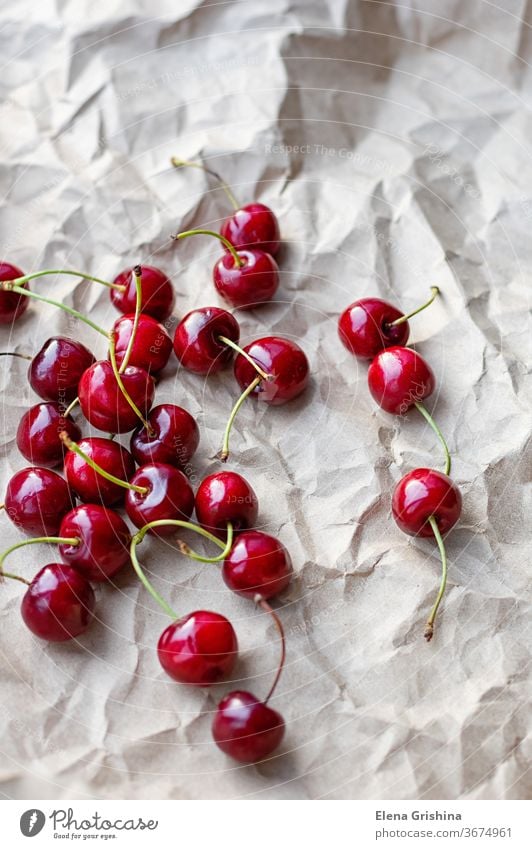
[(173, 439), (200, 648), (90, 486), (12, 305), (197, 342), (365, 327), (58, 604), (152, 345), (254, 225), (157, 292), (102, 402), (278, 357), (38, 434), (36, 500), (258, 564), (423, 493), (246, 729), (250, 284), (169, 496), (398, 377), (226, 497), (55, 371), (103, 541)]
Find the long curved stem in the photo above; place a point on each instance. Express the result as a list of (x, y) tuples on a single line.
[(73, 446), (248, 357), (224, 453), (188, 552), (231, 248), (137, 271), (434, 293), (33, 541), (429, 627), (27, 277), (144, 580), (10, 287), (279, 625), (186, 163), (427, 416), (123, 390), (179, 523)]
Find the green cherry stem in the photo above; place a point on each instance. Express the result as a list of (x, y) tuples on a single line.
[(279, 625), (27, 277), (186, 163), (224, 453), (248, 357), (178, 523), (188, 552), (14, 578), (73, 446), (434, 293), (8, 286), (123, 390), (429, 627), (15, 354), (232, 250), (137, 271), (427, 416), (32, 541), (144, 580)]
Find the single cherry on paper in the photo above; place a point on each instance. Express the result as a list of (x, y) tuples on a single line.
[(12, 304), (172, 437), (158, 491), (58, 604), (285, 363), (199, 649), (399, 377), (55, 370), (87, 483), (151, 347), (36, 500), (199, 339), (99, 541), (226, 497), (257, 564), (157, 293), (102, 400), (253, 226), (38, 434)]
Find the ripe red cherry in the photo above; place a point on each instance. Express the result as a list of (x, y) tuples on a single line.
[(282, 359), (246, 729), (152, 345), (38, 434), (199, 649), (103, 541), (197, 342), (258, 564), (102, 402), (226, 497), (55, 370), (58, 604), (423, 493), (365, 327), (12, 305), (157, 293), (173, 437), (254, 225), (168, 496), (398, 377), (90, 486), (247, 285), (36, 500)]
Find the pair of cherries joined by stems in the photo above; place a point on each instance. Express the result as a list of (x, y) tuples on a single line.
[(425, 502)]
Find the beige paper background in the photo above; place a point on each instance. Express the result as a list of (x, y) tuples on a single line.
[(418, 171)]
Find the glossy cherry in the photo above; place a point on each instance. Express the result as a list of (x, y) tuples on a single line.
[(200, 648), (283, 360), (36, 500), (55, 371), (226, 497), (173, 437), (103, 403), (423, 493), (12, 305), (168, 496), (152, 345), (197, 342), (247, 285), (253, 225), (103, 541), (38, 434), (58, 604), (245, 728), (398, 377), (87, 483), (258, 564), (365, 327), (157, 293)]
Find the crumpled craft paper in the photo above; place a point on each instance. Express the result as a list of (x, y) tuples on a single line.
[(393, 143)]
